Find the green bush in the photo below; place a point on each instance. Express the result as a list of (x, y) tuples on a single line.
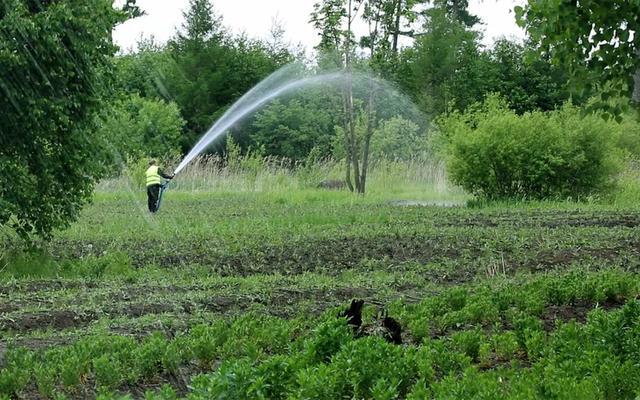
[(233, 380), (496, 154), (15, 373), (136, 127), (329, 337), (468, 343), (370, 364)]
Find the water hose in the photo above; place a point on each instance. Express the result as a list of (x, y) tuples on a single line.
[(163, 187)]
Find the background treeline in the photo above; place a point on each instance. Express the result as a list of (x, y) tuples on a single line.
[(170, 94), (76, 111)]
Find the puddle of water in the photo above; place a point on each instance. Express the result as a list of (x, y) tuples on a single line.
[(427, 203)]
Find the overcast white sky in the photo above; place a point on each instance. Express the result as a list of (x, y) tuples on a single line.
[(254, 17)]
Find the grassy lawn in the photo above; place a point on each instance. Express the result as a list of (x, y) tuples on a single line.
[(237, 294)]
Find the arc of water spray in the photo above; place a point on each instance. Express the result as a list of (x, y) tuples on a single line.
[(245, 106)]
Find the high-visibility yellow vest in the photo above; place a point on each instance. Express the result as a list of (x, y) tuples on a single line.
[(153, 177)]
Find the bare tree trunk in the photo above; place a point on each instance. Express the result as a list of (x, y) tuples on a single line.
[(371, 126), (353, 140), (396, 30), (350, 128), (362, 179), (347, 141)]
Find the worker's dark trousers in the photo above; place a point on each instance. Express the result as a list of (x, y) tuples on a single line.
[(153, 191)]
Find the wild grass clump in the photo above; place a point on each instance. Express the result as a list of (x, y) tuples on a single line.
[(251, 172)]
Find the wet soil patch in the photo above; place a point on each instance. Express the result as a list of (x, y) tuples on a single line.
[(496, 361), (554, 314), (547, 220), (335, 255), (58, 320), (136, 310), (308, 254), (391, 252), (6, 308), (222, 304), (546, 259), (44, 285), (280, 300)]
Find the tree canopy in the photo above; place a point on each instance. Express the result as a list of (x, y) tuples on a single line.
[(596, 41), (54, 60)]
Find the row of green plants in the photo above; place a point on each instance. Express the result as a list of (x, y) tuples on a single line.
[(591, 361), (483, 333)]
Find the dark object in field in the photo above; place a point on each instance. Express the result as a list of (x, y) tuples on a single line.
[(354, 314), (332, 184), (383, 326), (393, 330)]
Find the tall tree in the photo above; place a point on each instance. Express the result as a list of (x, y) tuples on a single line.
[(212, 69), (146, 71), (277, 46), (201, 23), (334, 19), (597, 41), (443, 64), (54, 57), (459, 11), (328, 18), (527, 83)]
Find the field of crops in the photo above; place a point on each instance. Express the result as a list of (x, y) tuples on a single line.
[(249, 295)]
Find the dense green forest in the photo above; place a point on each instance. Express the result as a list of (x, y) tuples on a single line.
[(203, 69), (77, 91)]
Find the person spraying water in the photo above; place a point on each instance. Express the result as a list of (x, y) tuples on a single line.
[(155, 185)]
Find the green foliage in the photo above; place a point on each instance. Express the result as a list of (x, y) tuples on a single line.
[(107, 371), (294, 127), (149, 355), (134, 170), (592, 39), (108, 265), (38, 264), (45, 380), (329, 338), (468, 343), (137, 127), (72, 370), (316, 382), (496, 154), (597, 357), (32, 263), (372, 363), (49, 160), (443, 65), (526, 82), (15, 372), (233, 380), (144, 72), (505, 345), (398, 138), (212, 69)]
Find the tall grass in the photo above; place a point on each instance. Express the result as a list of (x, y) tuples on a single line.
[(627, 193), (254, 173)]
